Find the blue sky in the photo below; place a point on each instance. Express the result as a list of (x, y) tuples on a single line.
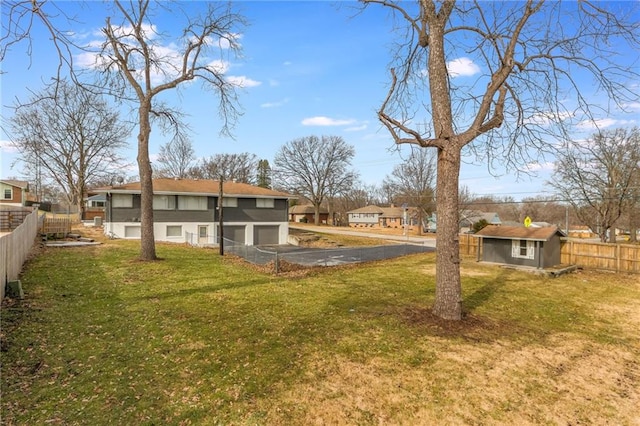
[(308, 68)]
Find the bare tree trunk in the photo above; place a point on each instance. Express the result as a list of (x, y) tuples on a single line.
[(147, 238), (448, 301), (316, 215)]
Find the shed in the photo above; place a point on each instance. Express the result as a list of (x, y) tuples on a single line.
[(521, 246)]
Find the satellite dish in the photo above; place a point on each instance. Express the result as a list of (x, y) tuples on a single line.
[(120, 179)]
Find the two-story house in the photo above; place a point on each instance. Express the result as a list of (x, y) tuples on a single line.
[(186, 210)]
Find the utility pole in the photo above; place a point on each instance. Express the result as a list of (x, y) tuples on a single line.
[(221, 227)]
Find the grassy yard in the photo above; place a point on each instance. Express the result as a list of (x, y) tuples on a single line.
[(101, 338)]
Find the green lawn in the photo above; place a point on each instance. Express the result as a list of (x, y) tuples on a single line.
[(101, 338)]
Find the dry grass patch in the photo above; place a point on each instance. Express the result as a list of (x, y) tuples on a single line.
[(565, 381)]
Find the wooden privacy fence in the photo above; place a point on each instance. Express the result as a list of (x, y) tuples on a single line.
[(588, 254), (595, 255), (14, 248), (11, 219), (58, 226)]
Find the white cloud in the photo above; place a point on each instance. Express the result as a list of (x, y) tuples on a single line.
[(8, 147), (222, 42), (462, 67), (356, 128), (634, 106), (547, 166), (603, 123), (326, 121), (274, 104), (242, 81), (218, 65), (546, 118), (168, 56)]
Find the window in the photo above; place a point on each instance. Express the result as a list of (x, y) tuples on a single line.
[(187, 202), (229, 202), (174, 231), (132, 232), (122, 200), (8, 194), (164, 202), (264, 203), (523, 249), (97, 204)]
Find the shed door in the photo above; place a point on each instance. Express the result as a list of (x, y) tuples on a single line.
[(235, 233), (266, 234)]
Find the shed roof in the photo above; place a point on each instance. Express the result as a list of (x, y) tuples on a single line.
[(196, 186), (519, 232)]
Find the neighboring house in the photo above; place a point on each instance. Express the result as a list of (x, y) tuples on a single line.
[(384, 217), (94, 206), (518, 245), (469, 217), (306, 213), (14, 192), (185, 210)]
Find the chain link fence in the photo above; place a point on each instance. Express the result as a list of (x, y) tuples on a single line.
[(305, 256)]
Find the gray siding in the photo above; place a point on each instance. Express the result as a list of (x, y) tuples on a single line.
[(245, 212), (248, 212), (499, 251), (547, 253)]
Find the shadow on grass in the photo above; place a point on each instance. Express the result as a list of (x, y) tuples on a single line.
[(485, 293)]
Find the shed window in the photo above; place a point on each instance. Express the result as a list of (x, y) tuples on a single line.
[(523, 249)]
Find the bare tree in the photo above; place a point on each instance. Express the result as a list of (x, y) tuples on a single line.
[(315, 167), (236, 167), (176, 159), (20, 18), (138, 68), (69, 137), (598, 178), (414, 182), (525, 66)]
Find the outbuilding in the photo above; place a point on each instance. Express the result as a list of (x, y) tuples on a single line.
[(521, 246)]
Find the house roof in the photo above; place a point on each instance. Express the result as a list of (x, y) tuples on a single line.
[(392, 212), (305, 209), (23, 184), (473, 216), (196, 187), (519, 232), (368, 209)]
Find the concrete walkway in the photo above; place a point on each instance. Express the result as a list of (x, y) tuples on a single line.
[(423, 241)]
